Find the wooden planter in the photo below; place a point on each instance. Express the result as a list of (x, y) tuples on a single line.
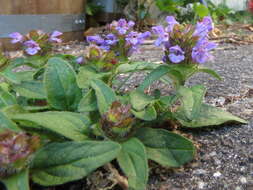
[(111, 11), (67, 16)]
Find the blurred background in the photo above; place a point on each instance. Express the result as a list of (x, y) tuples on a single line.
[(80, 18)]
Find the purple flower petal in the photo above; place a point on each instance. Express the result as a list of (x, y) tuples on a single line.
[(56, 33), (80, 60), (162, 35), (176, 54), (55, 37), (131, 24), (204, 27), (32, 47), (95, 39), (171, 23), (200, 53), (16, 37)]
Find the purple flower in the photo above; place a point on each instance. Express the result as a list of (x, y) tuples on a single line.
[(80, 60), (54, 37), (200, 53), (163, 36), (176, 54), (122, 26), (203, 28), (95, 39), (32, 47), (171, 23), (133, 38), (145, 35), (111, 39), (16, 37), (131, 24)]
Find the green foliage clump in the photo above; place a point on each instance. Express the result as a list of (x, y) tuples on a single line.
[(84, 121)]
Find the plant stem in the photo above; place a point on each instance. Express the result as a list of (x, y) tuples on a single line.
[(121, 180)]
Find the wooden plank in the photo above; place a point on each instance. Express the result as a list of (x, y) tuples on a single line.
[(42, 6)]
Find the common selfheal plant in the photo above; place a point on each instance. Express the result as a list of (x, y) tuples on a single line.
[(185, 44), (185, 48), (121, 39), (86, 122), (36, 42)]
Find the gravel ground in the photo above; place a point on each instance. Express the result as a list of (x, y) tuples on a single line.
[(224, 159)]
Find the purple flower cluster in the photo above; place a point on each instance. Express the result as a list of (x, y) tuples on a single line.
[(35, 41), (122, 39), (175, 39)]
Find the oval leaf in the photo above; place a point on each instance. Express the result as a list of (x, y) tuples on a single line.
[(74, 126), (208, 116), (136, 66), (71, 160), (140, 100), (166, 148), (133, 161), (148, 114), (87, 73), (7, 124), (153, 76), (60, 84), (105, 95), (6, 98), (19, 181), (30, 89), (88, 102), (191, 99)]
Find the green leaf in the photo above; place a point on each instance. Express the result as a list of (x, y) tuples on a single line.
[(6, 98), (30, 89), (166, 148), (11, 110), (201, 10), (71, 161), (210, 72), (148, 114), (74, 126), (60, 84), (191, 99), (6, 123), (140, 100), (89, 102), (153, 76), (105, 95), (25, 75), (208, 116), (10, 76), (88, 73), (136, 66), (133, 161), (19, 181)]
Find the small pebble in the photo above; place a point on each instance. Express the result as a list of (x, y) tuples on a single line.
[(217, 174), (199, 172), (243, 180), (201, 185), (238, 188), (213, 153)]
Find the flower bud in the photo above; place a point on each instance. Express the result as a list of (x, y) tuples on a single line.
[(16, 150), (117, 123)]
